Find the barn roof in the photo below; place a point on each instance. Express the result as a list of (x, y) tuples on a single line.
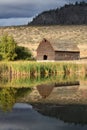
[(63, 45)]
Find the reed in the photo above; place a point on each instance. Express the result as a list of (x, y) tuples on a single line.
[(35, 69)]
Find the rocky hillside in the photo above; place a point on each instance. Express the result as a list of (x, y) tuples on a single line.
[(68, 15)]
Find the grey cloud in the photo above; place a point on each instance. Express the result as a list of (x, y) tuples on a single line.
[(28, 8), (8, 11)]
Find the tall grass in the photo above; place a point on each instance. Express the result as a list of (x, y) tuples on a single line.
[(35, 69)]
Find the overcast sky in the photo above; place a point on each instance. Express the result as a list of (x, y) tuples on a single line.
[(13, 12)]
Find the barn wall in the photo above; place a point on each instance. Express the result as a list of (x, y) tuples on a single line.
[(67, 55), (45, 48)]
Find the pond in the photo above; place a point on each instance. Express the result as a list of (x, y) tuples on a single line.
[(47, 102)]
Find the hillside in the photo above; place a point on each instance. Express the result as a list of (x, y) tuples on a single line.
[(30, 36), (68, 15)]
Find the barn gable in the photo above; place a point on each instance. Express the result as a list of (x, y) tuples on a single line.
[(45, 51)]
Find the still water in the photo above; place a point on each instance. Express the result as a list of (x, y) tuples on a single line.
[(43, 103)]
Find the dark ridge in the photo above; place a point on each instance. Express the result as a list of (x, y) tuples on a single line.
[(71, 113), (72, 14)]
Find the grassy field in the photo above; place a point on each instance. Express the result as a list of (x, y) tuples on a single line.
[(30, 36)]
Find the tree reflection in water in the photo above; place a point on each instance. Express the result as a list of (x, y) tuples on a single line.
[(9, 96)]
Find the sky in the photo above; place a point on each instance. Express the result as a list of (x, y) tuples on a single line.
[(19, 12)]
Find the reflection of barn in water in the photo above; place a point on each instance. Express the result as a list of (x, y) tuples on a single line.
[(45, 90), (83, 89), (83, 85)]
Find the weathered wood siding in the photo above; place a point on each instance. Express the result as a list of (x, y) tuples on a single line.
[(45, 48), (59, 55), (49, 51)]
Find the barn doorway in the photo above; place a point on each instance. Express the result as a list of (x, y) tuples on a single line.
[(45, 57)]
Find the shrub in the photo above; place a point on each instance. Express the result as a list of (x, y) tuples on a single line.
[(23, 53)]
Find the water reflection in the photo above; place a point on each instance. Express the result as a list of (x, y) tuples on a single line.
[(63, 97), (23, 117), (51, 89), (32, 81), (76, 114), (73, 94), (45, 90), (13, 89), (9, 96)]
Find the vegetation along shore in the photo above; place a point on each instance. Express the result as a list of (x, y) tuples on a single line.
[(34, 69)]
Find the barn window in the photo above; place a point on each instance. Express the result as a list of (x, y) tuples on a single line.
[(45, 57)]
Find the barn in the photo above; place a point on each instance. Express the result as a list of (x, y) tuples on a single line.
[(54, 50)]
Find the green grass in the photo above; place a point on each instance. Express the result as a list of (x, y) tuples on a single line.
[(35, 69)]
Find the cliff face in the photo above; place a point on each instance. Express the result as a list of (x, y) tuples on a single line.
[(67, 15)]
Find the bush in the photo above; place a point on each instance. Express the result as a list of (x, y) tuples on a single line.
[(23, 53)]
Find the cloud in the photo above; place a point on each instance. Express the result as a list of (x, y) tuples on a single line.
[(28, 8)]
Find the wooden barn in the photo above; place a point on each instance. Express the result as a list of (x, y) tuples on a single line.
[(57, 50)]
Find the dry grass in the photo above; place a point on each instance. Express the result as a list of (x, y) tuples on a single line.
[(30, 37)]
